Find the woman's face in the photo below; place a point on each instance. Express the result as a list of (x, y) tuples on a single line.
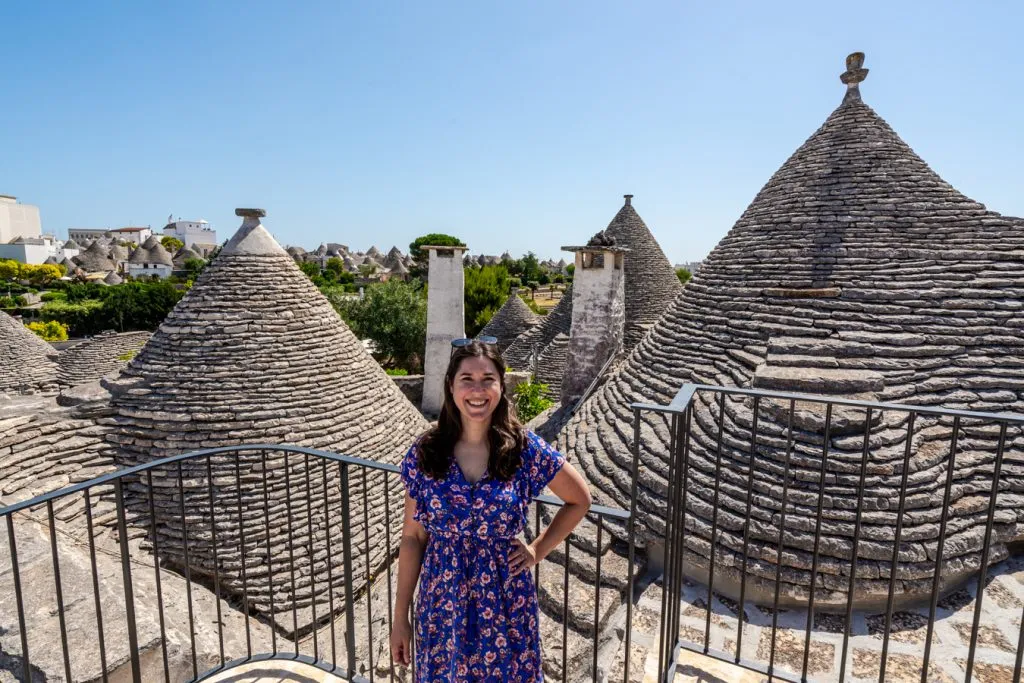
[(476, 389)]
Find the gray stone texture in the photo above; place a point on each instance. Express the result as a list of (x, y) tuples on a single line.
[(27, 363), (104, 355), (525, 350), (511, 320), (857, 272), (651, 283)]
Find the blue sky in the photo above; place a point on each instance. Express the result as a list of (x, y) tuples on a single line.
[(515, 126)]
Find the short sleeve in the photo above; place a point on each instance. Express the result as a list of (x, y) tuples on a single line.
[(410, 473), (541, 462)]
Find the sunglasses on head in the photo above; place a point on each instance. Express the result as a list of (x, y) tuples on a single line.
[(465, 341)]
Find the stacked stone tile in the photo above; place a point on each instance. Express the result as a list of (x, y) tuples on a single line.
[(530, 345), (511, 320), (104, 355), (650, 280), (45, 447), (858, 272), (253, 353), (27, 363)]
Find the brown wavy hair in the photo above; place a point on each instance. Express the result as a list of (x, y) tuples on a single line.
[(506, 436)]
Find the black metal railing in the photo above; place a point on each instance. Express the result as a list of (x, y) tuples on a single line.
[(241, 549), (775, 465)]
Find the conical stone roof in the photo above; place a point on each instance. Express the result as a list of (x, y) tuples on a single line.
[(95, 259), (510, 321), (112, 278), (650, 280), (71, 244), (27, 363), (535, 340), (254, 353), (118, 253), (856, 271), (184, 254)]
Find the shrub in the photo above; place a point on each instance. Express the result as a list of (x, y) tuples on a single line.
[(684, 275), (397, 372), (16, 301), (531, 400), (81, 318), (50, 330), (53, 296)]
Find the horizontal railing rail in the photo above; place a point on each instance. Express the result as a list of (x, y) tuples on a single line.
[(776, 465), (267, 542)]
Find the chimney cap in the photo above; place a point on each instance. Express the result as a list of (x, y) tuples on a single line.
[(251, 213), (628, 198)]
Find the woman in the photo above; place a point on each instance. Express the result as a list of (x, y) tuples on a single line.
[(469, 482)]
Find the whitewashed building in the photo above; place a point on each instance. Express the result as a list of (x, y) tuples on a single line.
[(191, 232), (18, 220), (133, 235)]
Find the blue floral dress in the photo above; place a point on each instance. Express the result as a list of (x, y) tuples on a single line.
[(475, 622)]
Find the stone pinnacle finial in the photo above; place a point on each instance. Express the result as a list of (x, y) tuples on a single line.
[(854, 74), (629, 199), (251, 213)]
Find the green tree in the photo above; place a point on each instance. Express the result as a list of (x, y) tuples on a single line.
[(367, 269), (310, 268), (171, 243), (194, 266), (533, 285), (531, 267), (486, 289), (531, 400), (335, 266), (392, 315), (684, 275), (420, 258), (139, 305), (570, 269)]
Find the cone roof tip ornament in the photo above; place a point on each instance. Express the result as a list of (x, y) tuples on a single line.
[(855, 73), (252, 238), (251, 213)]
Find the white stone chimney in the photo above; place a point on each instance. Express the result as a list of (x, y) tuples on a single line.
[(445, 320), (598, 314)]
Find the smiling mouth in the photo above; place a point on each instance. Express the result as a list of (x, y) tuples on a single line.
[(477, 404)]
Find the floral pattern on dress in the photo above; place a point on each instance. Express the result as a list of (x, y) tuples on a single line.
[(475, 622)]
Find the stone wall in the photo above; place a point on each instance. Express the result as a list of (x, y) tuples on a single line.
[(104, 355)]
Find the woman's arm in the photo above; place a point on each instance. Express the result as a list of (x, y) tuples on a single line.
[(570, 487), (410, 558)]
